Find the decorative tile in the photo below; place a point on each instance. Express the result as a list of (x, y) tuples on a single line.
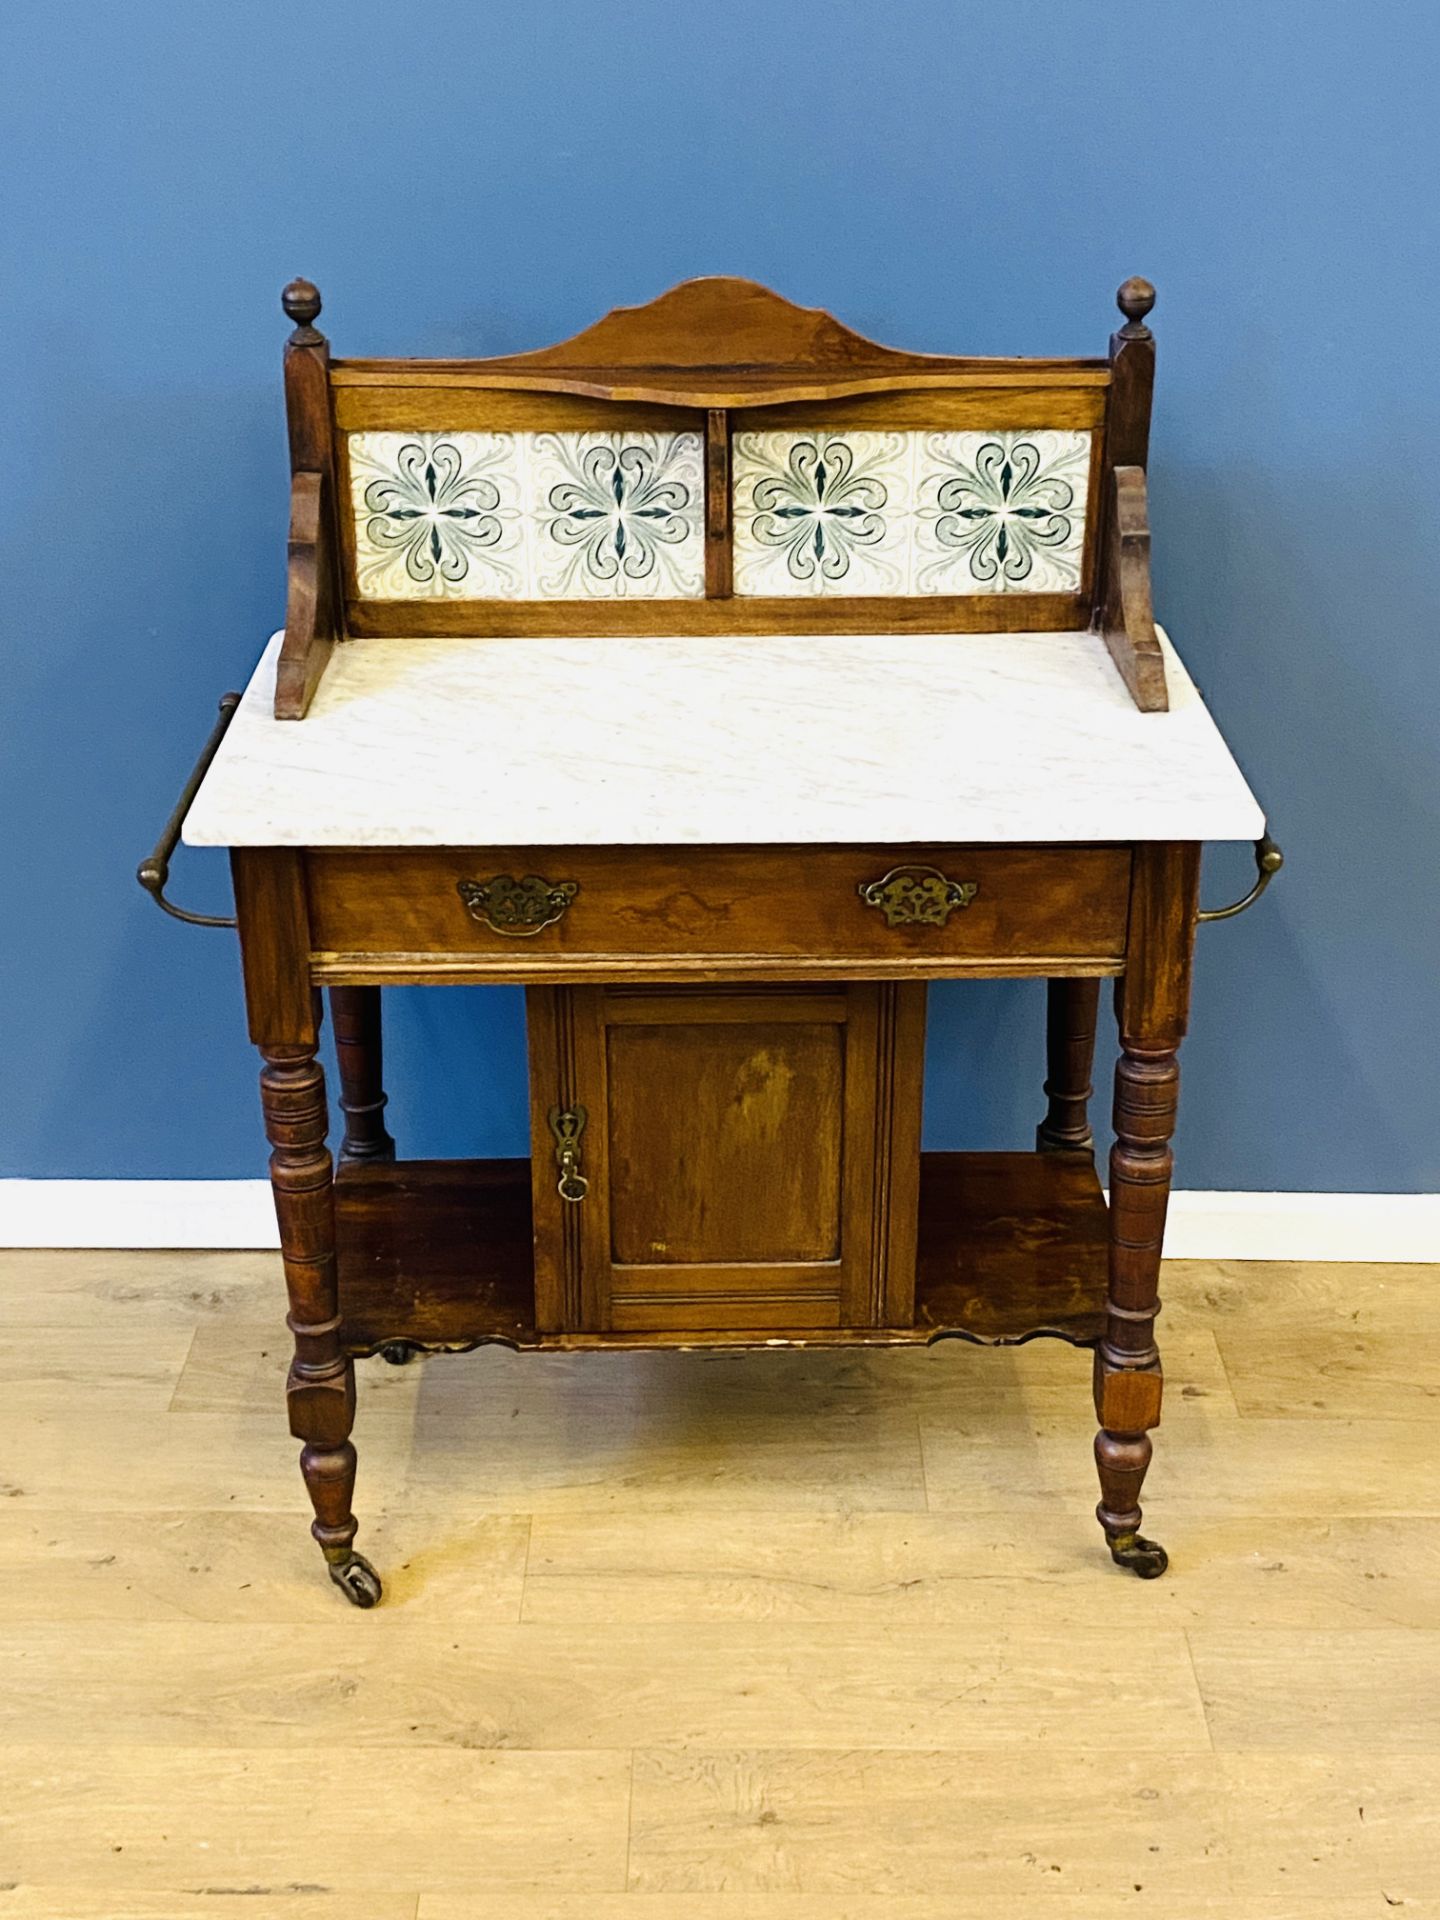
[(437, 516), (576, 516), (617, 516), (821, 512), (518, 516), (833, 512), (1000, 512)]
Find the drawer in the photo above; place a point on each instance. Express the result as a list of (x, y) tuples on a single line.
[(519, 911)]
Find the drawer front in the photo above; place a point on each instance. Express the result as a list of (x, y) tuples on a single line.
[(512, 910)]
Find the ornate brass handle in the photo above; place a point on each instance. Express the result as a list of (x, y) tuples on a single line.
[(1268, 862), (917, 896), (567, 1124), (519, 908), (153, 872)]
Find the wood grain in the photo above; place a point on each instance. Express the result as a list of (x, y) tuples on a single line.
[(705, 355), (52, 1902), (142, 1817), (1296, 1300), (1127, 423), (311, 628), (1010, 1244), (740, 1150), (820, 613), (786, 1821), (984, 407), (678, 333), (359, 1049), (701, 906), (269, 885), (122, 1367), (730, 1905), (1127, 621), (1334, 1375), (1304, 1691), (398, 969), (737, 1574), (406, 406), (902, 1571), (225, 1564), (1270, 1469), (124, 1288), (439, 1252), (536, 1688), (315, 596), (1070, 1021)]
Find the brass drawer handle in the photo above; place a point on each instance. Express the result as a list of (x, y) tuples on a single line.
[(917, 896), (517, 907), (567, 1124)]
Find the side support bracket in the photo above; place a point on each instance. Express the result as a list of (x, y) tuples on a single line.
[(1127, 619), (310, 625)]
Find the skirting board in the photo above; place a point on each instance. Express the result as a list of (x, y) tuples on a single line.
[(237, 1214)]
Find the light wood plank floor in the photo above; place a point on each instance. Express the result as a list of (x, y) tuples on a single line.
[(818, 1636)]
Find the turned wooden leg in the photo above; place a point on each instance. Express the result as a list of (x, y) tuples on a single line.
[(355, 1012), (1069, 1051), (1127, 1361), (1152, 1001), (320, 1390)]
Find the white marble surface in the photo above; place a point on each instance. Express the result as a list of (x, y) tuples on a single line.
[(655, 741)]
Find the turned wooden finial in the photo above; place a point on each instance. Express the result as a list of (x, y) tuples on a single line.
[(301, 300), (1135, 299)]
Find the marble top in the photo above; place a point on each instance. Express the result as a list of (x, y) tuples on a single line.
[(663, 741)]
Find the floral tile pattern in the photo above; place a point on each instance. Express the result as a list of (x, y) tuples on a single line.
[(836, 512), (437, 516), (579, 516), (820, 512), (517, 516), (618, 516), (1001, 512)]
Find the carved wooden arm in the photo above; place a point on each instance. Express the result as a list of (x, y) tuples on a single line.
[(311, 628), (1128, 618)]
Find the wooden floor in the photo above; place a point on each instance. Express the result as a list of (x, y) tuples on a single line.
[(811, 1636)]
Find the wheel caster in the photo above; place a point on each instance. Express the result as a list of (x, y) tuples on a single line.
[(1146, 1559), (356, 1579), (398, 1353)]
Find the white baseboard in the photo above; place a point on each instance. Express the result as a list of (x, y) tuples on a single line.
[(216, 1214), (231, 1214), (1397, 1228)]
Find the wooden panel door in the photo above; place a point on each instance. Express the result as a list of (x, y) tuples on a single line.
[(739, 1157)]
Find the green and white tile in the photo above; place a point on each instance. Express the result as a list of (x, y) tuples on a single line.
[(438, 516), (617, 516), (518, 516), (579, 516), (832, 512), (1000, 512), (822, 512)]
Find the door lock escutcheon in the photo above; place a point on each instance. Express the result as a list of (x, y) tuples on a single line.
[(566, 1126)]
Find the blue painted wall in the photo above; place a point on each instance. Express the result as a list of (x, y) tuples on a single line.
[(484, 178)]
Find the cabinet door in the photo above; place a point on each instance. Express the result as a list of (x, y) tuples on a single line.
[(740, 1158)]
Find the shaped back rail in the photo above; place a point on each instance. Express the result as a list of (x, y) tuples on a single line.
[(717, 461)]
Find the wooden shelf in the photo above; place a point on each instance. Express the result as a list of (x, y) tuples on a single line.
[(1012, 1247), (435, 1251), (438, 1253)]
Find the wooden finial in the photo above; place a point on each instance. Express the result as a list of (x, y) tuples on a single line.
[(301, 300), (1135, 299)]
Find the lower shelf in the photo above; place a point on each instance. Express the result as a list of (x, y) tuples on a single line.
[(437, 1253)]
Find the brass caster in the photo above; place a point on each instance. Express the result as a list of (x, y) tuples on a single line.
[(1145, 1558), (398, 1353), (356, 1579)]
